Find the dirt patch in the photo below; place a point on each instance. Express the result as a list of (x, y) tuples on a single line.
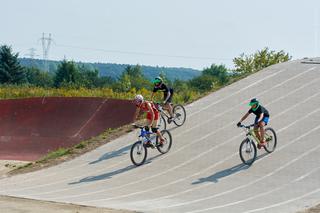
[(315, 209), (9, 165), (22, 205)]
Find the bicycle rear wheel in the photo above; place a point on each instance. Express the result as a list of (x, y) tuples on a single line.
[(271, 140), (138, 153), (179, 115), (162, 124), (248, 151), (166, 145)]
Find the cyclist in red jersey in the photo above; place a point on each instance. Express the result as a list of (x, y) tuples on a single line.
[(152, 114)]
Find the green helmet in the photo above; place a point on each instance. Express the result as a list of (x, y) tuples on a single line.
[(157, 80), (254, 101)]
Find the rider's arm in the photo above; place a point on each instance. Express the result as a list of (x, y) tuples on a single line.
[(151, 98), (244, 117), (167, 90), (136, 114), (168, 96), (260, 117), (152, 113)]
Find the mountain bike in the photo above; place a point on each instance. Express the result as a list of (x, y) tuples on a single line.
[(179, 115), (138, 152), (248, 147)]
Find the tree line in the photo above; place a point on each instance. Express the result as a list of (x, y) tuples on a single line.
[(73, 76), (114, 70)]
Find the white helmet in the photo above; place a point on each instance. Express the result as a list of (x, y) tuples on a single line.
[(138, 99)]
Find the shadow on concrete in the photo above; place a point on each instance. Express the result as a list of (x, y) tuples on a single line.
[(113, 173), (172, 128), (225, 173), (104, 176), (113, 154), (262, 156), (222, 174), (149, 160)]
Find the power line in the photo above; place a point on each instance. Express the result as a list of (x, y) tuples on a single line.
[(143, 53)]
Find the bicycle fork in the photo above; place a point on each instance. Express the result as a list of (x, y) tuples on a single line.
[(249, 145)]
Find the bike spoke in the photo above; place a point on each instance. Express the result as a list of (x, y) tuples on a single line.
[(179, 115), (138, 153), (248, 152), (271, 140)]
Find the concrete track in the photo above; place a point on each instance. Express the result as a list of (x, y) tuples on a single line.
[(203, 171)]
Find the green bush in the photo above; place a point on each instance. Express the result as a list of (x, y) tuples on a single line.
[(259, 60)]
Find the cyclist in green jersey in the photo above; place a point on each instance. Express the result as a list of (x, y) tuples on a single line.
[(167, 95), (261, 120)]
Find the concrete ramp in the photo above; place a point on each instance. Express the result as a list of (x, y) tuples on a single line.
[(203, 172), (30, 128)]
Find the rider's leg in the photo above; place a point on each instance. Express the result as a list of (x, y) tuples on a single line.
[(169, 105), (155, 125), (256, 129), (169, 108), (257, 133), (156, 130), (262, 132)]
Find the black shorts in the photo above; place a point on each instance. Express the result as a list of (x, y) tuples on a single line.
[(170, 98)]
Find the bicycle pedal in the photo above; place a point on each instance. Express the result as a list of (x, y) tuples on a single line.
[(261, 145), (159, 144), (149, 145)]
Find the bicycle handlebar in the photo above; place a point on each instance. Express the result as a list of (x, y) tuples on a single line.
[(137, 126), (247, 127), (158, 104), (140, 127)]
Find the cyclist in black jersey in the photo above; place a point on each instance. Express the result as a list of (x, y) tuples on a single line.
[(167, 95), (261, 120)]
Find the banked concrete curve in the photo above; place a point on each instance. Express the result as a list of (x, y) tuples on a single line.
[(32, 127), (203, 171)]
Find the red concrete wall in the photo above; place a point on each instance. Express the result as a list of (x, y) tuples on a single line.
[(30, 128)]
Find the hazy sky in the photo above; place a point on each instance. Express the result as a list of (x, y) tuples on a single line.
[(179, 33)]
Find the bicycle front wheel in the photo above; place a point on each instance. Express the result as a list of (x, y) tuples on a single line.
[(248, 151), (166, 145), (271, 140), (179, 115), (138, 153)]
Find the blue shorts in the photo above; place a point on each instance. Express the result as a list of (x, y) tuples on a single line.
[(265, 120)]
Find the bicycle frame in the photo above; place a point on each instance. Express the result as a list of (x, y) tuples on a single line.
[(248, 147), (145, 135), (147, 139), (250, 133), (178, 114), (163, 111)]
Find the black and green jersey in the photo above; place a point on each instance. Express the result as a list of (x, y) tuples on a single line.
[(164, 89), (259, 111)]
